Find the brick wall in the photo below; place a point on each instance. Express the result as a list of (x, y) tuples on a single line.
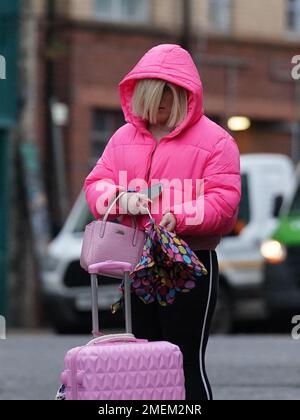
[(262, 84), (95, 60), (255, 19)]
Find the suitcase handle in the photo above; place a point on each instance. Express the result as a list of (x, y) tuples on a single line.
[(120, 338), (94, 269), (109, 265)]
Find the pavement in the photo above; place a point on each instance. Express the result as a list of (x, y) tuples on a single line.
[(240, 367)]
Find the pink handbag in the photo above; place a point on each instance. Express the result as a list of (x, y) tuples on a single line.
[(105, 240)]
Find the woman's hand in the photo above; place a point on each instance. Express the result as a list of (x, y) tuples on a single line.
[(168, 221), (134, 203)]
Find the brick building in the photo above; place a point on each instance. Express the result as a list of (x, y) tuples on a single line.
[(243, 51)]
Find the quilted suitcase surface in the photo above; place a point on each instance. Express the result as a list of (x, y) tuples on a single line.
[(124, 369), (119, 366)]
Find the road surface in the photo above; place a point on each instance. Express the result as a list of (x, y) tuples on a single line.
[(249, 367)]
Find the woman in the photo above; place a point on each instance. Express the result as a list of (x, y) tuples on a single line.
[(168, 138)]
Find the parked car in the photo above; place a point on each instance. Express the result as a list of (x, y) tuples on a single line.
[(282, 262), (266, 180)]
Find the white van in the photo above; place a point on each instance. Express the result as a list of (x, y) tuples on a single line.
[(266, 180)]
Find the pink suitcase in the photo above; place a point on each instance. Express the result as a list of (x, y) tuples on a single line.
[(119, 366)]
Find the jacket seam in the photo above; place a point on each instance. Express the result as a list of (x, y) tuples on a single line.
[(216, 144), (222, 173), (114, 146), (167, 53), (209, 151)]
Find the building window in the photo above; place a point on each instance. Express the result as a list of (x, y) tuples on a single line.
[(293, 18), (136, 11), (104, 124), (220, 15)]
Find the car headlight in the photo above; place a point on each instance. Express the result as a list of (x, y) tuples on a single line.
[(273, 251)]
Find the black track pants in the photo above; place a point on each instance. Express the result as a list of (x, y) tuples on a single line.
[(185, 323)]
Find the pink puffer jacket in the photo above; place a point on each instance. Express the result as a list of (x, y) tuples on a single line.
[(198, 149)]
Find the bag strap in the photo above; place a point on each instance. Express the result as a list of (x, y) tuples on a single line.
[(112, 204), (104, 220), (150, 215), (133, 218)]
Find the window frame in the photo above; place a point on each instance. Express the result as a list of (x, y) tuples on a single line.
[(116, 14), (293, 6), (113, 119), (215, 19)]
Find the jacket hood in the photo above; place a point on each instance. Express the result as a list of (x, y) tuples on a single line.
[(173, 64)]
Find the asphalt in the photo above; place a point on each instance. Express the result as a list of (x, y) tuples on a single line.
[(253, 367)]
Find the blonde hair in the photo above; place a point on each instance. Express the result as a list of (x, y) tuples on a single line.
[(148, 95)]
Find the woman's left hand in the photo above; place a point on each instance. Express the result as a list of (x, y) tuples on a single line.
[(168, 222)]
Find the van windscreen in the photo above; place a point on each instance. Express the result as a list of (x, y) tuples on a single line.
[(295, 206)]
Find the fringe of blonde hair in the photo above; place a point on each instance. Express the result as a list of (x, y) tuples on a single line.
[(148, 95)]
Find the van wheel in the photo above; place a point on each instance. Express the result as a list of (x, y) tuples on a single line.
[(222, 322)]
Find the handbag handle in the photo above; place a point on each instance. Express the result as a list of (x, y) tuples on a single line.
[(114, 202), (133, 217), (104, 220)]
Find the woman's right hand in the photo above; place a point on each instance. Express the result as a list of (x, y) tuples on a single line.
[(134, 203)]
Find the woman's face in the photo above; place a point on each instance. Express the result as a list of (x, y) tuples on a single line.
[(165, 106)]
